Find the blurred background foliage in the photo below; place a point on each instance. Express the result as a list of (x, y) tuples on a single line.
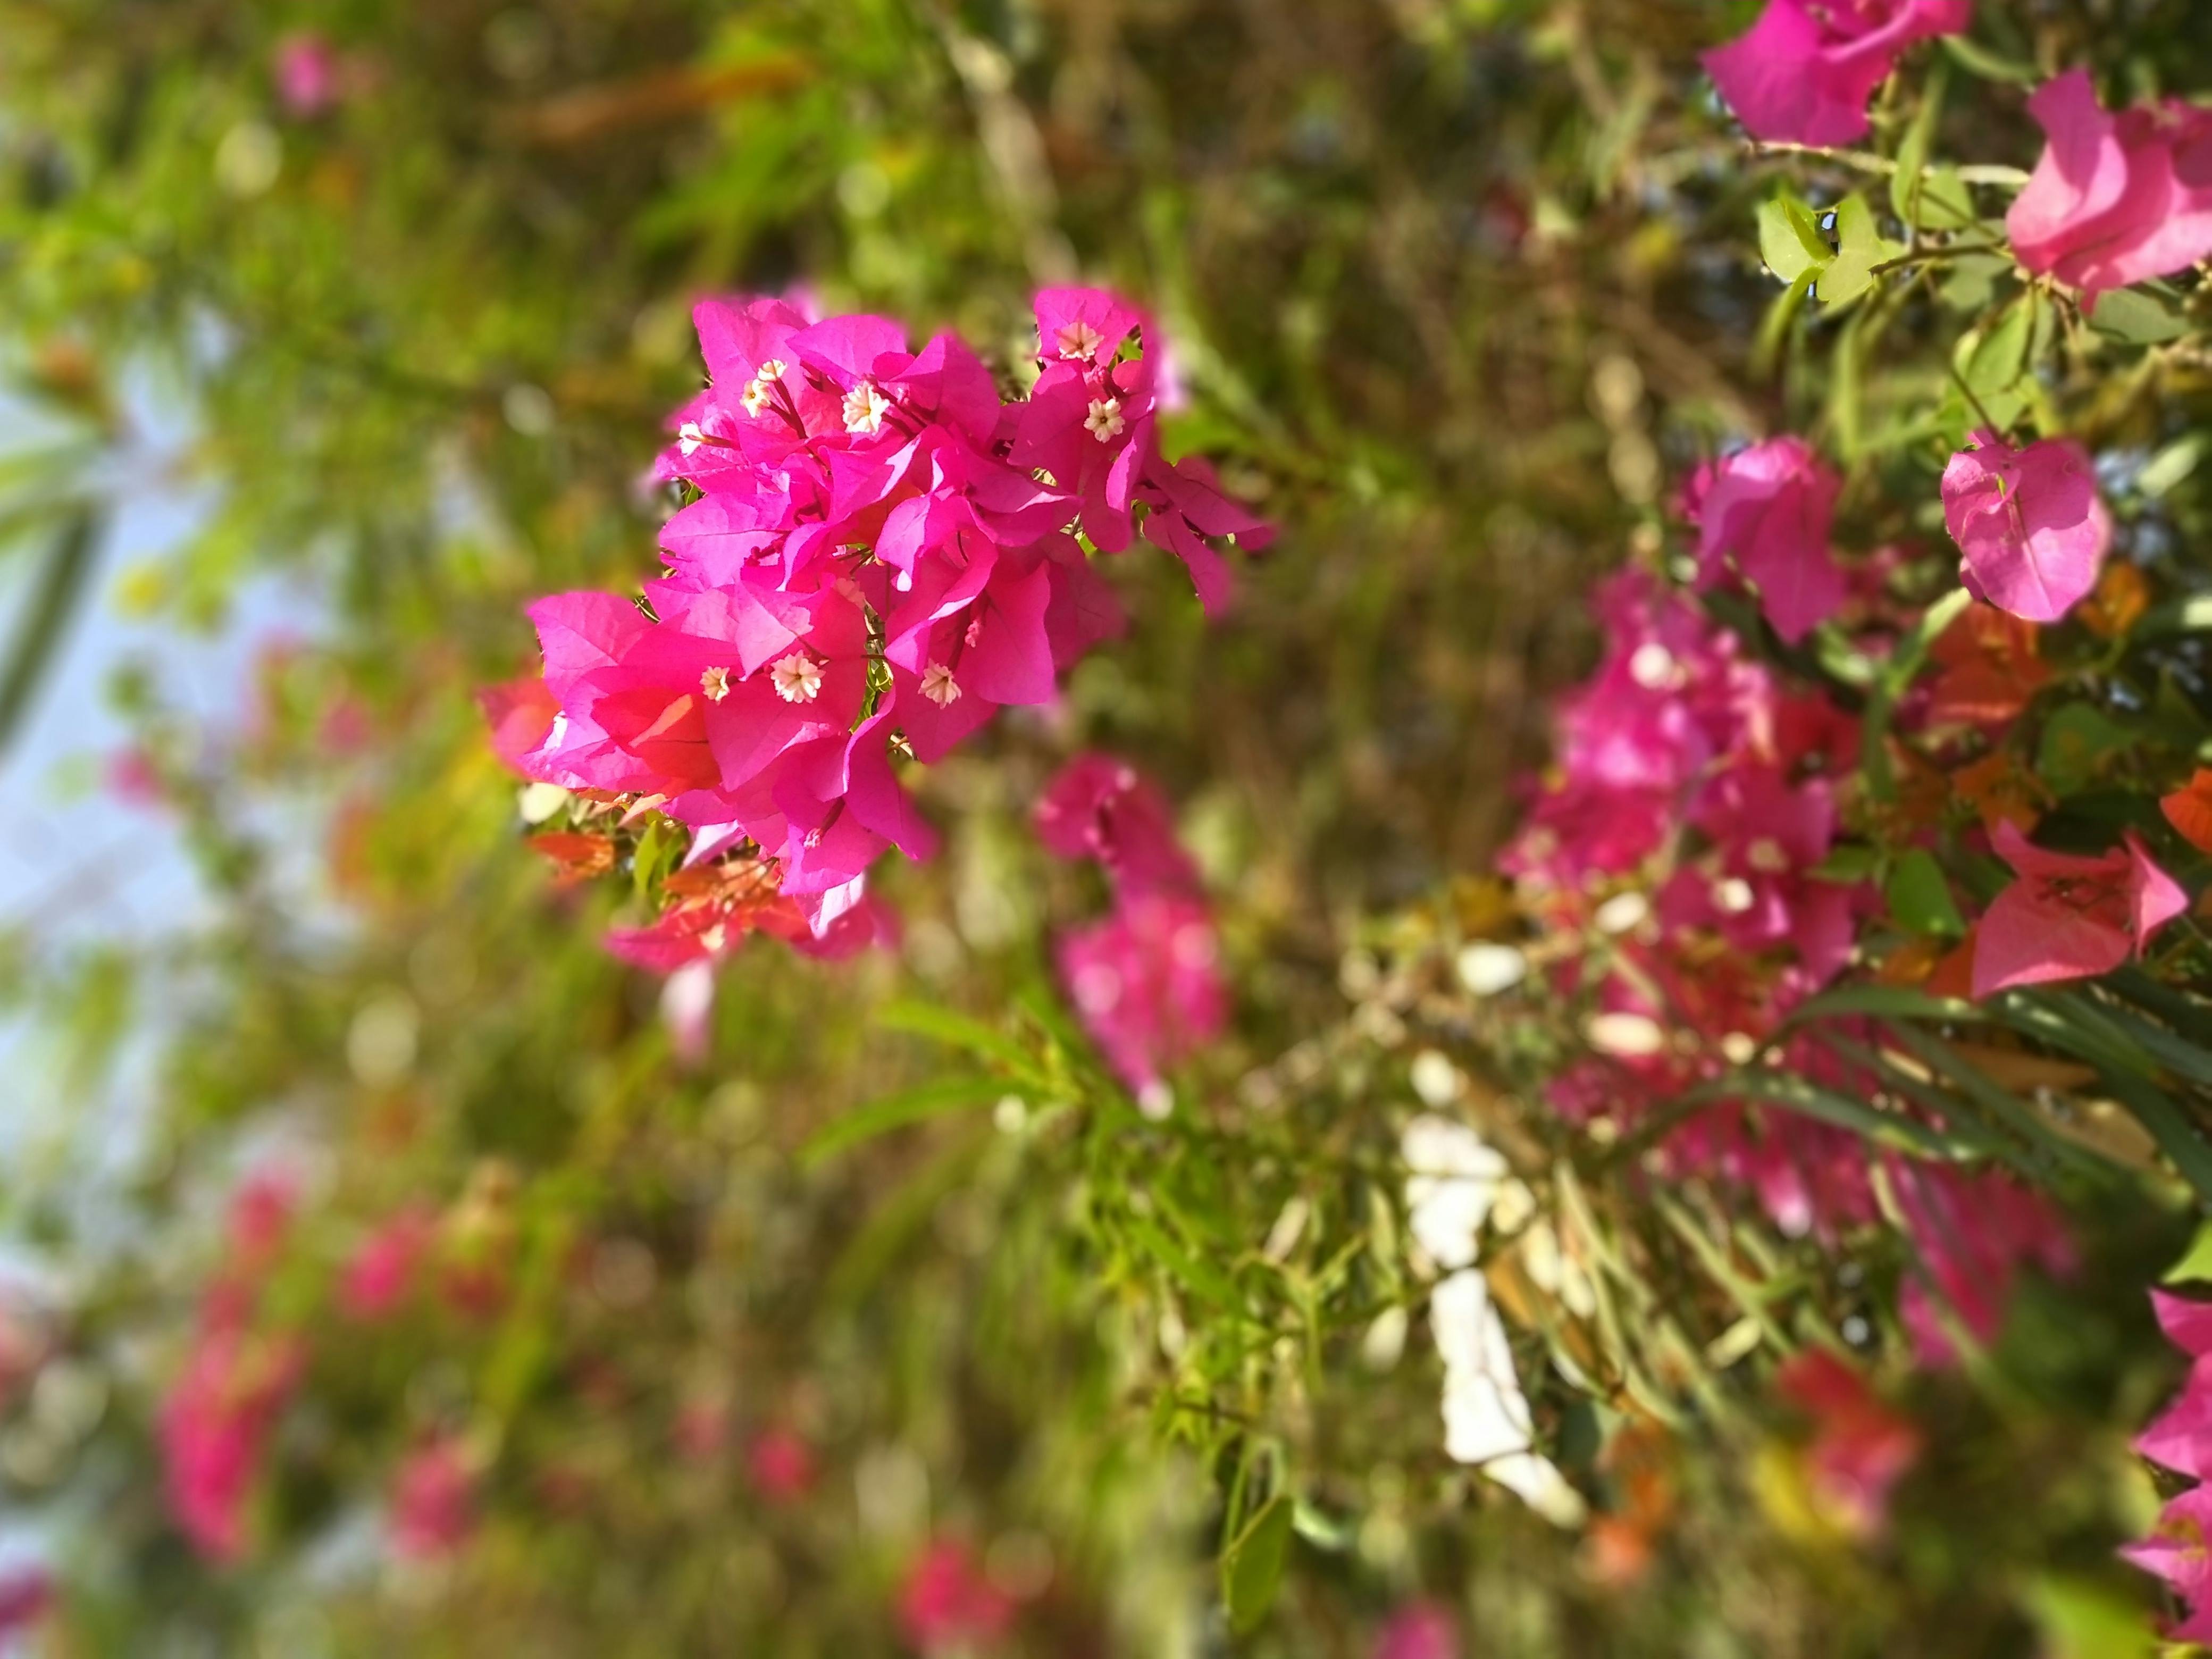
[(1459, 287)]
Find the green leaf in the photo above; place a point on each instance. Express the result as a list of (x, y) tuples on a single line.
[(2077, 743), (2135, 317), (1252, 1565), (1977, 59), (957, 1030), (1790, 238), (2195, 1267), (1859, 248), (1989, 367), (916, 1105), (2083, 1620), (1851, 861), (1919, 897)]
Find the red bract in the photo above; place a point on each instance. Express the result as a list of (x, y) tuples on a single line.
[(1973, 1232), (1805, 71), (2030, 522), (2116, 199), (947, 1604), (2070, 917), (878, 560)]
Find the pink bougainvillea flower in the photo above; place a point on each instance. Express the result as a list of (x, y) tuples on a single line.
[(1769, 509), (26, 1595), (1973, 1232), (212, 1426), (1861, 1447), (2181, 1440), (2070, 917), (380, 1273), (2116, 199), (1099, 807), (781, 1465), (433, 1501), (2032, 527), (1804, 72), (308, 74), (1149, 985), (1421, 1630), (947, 1605), (2179, 1551)]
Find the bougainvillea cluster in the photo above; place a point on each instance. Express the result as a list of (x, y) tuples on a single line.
[(879, 551)]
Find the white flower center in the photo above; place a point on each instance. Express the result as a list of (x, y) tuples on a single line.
[(688, 437), (937, 685), (715, 682), (762, 386), (1104, 422), (559, 734), (1080, 339), (1653, 666), (797, 678), (1732, 896), (715, 938), (864, 409)]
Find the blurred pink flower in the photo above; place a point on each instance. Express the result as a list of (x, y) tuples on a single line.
[(2070, 917), (947, 1604), (2030, 521), (433, 1501), (781, 1465), (379, 1273), (1148, 984), (212, 1426), (2179, 1551), (1769, 508), (27, 1594), (1421, 1629), (1804, 72), (1973, 1232), (1861, 1448), (308, 74), (2116, 199), (2181, 1440), (1101, 807)]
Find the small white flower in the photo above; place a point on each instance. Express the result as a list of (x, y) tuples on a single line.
[(1104, 422), (1080, 339), (1738, 1049), (1487, 1421), (1732, 896), (797, 678), (1623, 913), (864, 409), (762, 386), (715, 682), (688, 437), (1765, 855), (1486, 969), (1626, 1036), (1453, 1180), (1654, 668), (939, 685), (559, 734)]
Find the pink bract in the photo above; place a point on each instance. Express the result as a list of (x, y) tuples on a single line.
[(2030, 521), (2116, 198), (1804, 72), (1769, 509), (1421, 1630), (2069, 917), (433, 1501), (947, 1605)]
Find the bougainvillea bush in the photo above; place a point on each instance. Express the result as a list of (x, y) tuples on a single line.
[(1369, 829)]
